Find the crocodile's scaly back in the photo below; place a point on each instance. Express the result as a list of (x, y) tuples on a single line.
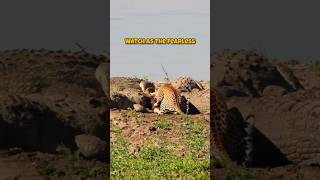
[(230, 133), (63, 81), (289, 122), (26, 72)]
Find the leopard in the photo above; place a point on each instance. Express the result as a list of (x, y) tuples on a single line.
[(218, 127), (168, 98), (231, 136)]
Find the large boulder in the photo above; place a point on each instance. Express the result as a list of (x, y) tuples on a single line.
[(91, 146)]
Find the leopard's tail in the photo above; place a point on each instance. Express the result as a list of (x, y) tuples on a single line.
[(230, 133), (178, 109)]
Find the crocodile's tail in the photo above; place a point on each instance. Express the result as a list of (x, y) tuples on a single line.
[(231, 134)]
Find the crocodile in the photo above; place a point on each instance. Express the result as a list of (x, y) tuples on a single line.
[(43, 87), (288, 125), (284, 114)]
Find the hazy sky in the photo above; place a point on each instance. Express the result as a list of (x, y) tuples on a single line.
[(165, 18), (54, 24), (281, 28)]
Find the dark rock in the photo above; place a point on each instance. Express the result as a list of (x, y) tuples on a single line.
[(91, 146)]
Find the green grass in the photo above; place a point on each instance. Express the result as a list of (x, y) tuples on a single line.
[(198, 138), (198, 144), (131, 114), (164, 123), (157, 160)]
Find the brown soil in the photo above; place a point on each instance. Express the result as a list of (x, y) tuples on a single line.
[(144, 128), (29, 165)]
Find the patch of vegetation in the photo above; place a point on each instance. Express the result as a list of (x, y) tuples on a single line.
[(131, 114), (73, 167), (164, 123), (155, 160), (197, 137)]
